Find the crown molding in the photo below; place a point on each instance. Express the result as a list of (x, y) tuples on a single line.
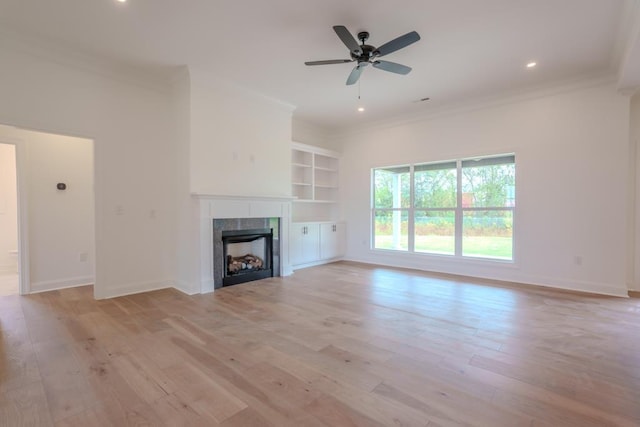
[(627, 28), (149, 78), (628, 60), (454, 108)]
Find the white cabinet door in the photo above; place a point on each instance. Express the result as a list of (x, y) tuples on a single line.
[(304, 243), (332, 240)]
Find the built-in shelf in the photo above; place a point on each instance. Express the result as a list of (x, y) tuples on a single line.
[(314, 183), (313, 201), (314, 174)]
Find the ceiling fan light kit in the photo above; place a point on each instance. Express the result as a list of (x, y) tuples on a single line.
[(365, 54)]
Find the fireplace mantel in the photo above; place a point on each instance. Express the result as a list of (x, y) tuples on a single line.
[(214, 206)]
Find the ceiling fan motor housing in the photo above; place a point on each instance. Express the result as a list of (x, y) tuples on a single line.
[(368, 52)]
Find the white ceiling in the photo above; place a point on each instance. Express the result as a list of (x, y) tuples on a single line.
[(470, 49)]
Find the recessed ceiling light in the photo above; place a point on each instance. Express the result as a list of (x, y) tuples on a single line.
[(532, 64), (361, 109), (122, 1)]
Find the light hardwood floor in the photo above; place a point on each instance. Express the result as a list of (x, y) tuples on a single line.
[(338, 345)]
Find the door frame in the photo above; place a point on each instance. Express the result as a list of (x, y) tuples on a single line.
[(24, 282)]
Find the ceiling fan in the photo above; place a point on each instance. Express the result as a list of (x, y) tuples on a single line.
[(366, 54)]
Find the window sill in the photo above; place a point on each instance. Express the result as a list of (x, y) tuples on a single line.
[(448, 259)]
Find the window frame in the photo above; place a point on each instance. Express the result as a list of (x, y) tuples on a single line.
[(459, 210), (392, 209)]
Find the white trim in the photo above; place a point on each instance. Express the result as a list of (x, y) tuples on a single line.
[(314, 149), (185, 288), (455, 108), (21, 153), (203, 196), (626, 57), (52, 285), (316, 263), (509, 274), (576, 286), (627, 29), (145, 78), (134, 288), (211, 206), (459, 210)]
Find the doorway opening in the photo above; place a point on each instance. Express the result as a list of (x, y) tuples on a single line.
[(9, 279), (54, 210)]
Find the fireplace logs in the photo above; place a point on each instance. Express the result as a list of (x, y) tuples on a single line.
[(257, 264), (235, 264)]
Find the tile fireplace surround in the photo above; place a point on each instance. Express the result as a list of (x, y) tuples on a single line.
[(210, 207)]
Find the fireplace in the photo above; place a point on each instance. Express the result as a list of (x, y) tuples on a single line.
[(217, 213), (247, 255), (245, 249)]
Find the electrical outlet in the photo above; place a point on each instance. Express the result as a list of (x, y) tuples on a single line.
[(82, 256), (152, 214), (578, 260), (119, 210)]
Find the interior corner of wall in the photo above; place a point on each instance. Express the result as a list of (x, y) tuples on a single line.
[(185, 288)]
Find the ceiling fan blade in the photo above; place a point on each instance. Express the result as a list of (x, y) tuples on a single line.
[(355, 74), (397, 43), (392, 67), (347, 39), (329, 61)]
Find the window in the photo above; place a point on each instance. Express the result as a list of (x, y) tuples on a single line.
[(459, 208), (435, 207), (392, 199), (488, 193)]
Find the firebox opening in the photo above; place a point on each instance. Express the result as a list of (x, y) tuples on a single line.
[(248, 255)]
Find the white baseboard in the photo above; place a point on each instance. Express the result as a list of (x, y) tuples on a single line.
[(52, 285), (315, 263), (206, 286), (132, 288), (511, 275), (185, 288)]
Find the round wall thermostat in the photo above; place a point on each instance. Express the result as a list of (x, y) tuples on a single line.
[(61, 186)]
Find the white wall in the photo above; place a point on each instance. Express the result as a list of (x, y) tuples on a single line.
[(240, 142), (61, 228), (132, 129), (572, 176), (310, 134), (8, 208), (186, 259), (60, 223)]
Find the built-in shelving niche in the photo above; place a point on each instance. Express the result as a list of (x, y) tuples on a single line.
[(314, 183)]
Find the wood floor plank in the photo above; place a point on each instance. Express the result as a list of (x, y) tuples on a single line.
[(207, 396), (343, 344), (25, 406)]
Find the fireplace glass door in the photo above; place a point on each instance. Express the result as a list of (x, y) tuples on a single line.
[(248, 255)]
